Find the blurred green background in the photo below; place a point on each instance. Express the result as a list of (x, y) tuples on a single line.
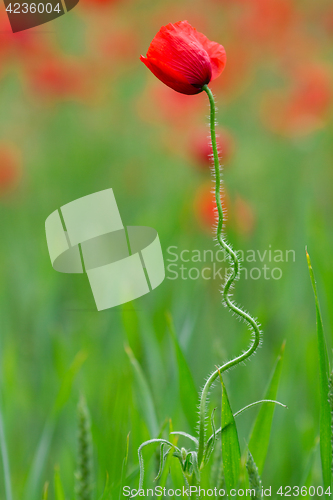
[(80, 113)]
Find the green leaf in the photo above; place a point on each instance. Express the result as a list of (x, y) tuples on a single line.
[(325, 410), (260, 435), (231, 454), (46, 491), (145, 397), (58, 489), (187, 390), (216, 433), (5, 461)]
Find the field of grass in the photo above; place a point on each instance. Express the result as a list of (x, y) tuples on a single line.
[(80, 113)]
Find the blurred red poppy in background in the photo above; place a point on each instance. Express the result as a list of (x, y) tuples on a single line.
[(243, 216), (98, 3), (200, 147), (183, 58), (160, 103), (10, 167), (305, 108), (58, 77), (238, 72), (327, 20), (25, 43), (205, 206), (312, 94), (267, 20), (119, 45)]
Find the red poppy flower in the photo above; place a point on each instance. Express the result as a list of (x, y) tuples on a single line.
[(183, 58)]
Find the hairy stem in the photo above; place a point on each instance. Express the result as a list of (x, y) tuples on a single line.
[(253, 325)]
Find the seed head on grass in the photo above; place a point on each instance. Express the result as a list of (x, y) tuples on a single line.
[(330, 399), (254, 478), (84, 469)]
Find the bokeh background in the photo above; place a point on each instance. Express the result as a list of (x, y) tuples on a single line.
[(80, 113)]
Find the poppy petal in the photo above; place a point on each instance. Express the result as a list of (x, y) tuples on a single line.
[(169, 76), (216, 54), (184, 59)]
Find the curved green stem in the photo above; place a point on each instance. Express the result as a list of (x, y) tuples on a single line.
[(253, 325), (141, 464), (220, 429)]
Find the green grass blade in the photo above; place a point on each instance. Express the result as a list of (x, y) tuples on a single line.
[(46, 491), (124, 468), (58, 489), (130, 320), (153, 356), (187, 390), (39, 459), (231, 454), (177, 475), (106, 493), (5, 461), (325, 410), (306, 479), (169, 458), (38, 463), (67, 381), (260, 435), (145, 397)]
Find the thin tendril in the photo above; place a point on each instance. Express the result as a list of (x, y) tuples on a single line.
[(253, 325)]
